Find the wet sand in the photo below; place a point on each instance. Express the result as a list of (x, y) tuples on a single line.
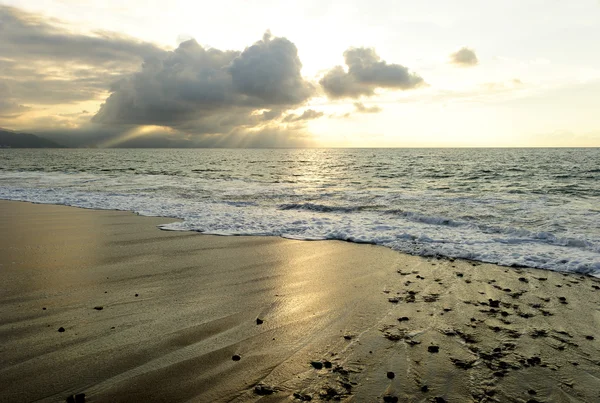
[(103, 303)]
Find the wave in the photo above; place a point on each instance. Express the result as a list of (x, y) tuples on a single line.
[(324, 208)]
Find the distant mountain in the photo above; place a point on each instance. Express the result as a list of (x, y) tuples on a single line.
[(9, 138)]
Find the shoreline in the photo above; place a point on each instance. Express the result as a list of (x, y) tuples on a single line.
[(337, 318), (177, 219)]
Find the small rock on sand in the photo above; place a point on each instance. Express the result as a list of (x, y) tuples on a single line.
[(61, 329), (263, 390), (259, 321), (236, 357), (302, 397), (391, 375), (317, 364), (433, 349), (98, 308), (78, 398)]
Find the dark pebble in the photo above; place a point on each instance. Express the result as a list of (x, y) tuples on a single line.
[(494, 303), (78, 398), (61, 329), (589, 337), (317, 364), (263, 390), (137, 295), (259, 321), (348, 337), (438, 399), (391, 375), (98, 308), (390, 399), (236, 357), (433, 349), (327, 364), (302, 397), (403, 319), (523, 279), (424, 388), (532, 392), (44, 308)]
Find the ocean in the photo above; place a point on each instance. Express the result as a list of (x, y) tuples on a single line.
[(515, 207)]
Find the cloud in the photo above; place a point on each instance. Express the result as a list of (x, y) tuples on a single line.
[(43, 62), (464, 57), (210, 91), (11, 110), (361, 108), (29, 36), (366, 72), (269, 73), (308, 114)]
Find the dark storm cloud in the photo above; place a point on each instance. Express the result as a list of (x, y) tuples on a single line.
[(209, 90), (41, 61), (464, 57), (366, 72), (361, 108)]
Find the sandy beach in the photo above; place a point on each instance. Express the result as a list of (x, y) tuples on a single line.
[(105, 304)]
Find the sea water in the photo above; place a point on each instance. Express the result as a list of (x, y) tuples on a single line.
[(527, 207)]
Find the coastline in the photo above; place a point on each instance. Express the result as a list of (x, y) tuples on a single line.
[(177, 306)]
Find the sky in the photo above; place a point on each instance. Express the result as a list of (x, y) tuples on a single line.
[(266, 73)]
